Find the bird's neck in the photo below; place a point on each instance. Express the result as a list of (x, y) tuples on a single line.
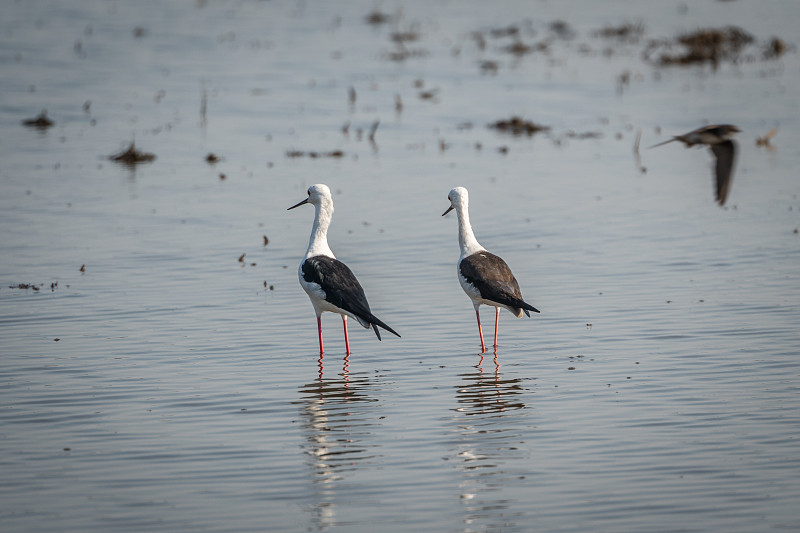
[(318, 242), (466, 238)]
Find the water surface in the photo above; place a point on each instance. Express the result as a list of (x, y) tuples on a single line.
[(174, 382)]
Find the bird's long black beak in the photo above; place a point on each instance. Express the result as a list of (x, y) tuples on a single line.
[(298, 204), (448, 210)]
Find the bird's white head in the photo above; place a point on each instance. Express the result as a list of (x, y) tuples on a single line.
[(459, 200), (459, 197), (318, 195)]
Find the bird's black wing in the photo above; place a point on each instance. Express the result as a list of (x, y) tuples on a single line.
[(494, 280), (341, 288), (725, 154)]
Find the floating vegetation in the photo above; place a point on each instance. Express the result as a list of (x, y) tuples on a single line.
[(764, 141), (704, 46), (489, 67), (562, 29), (518, 126), (376, 18), (520, 49), (628, 32), (41, 122), (774, 49), (132, 157), (507, 31), (404, 36), (25, 286), (34, 287), (403, 53), (314, 155), (572, 134), (429, 95), (372, 130)]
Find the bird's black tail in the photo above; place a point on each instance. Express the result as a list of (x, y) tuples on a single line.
[(375, 322), (528, 307)]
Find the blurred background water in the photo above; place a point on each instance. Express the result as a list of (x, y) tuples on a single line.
[(158, 365)]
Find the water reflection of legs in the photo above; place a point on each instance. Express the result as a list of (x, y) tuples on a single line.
[(486, 419), (338, 418), (345, 368)]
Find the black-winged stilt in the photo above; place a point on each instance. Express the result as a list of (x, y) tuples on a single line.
[(484, 276), (329, 283), (719, 139)]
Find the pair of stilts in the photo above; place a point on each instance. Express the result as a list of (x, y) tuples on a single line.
[(333, 287)]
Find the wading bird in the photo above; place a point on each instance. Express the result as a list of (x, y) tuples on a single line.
[(329, 283), (484, 276)]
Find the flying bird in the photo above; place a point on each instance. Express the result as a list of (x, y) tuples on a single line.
[(329, 283), (719, 138), (485, 277)]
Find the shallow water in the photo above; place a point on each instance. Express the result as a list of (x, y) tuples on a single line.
[(171, 386)]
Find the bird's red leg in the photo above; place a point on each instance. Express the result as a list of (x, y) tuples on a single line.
[(346, 339), (319, 327), (480, 330), (496, 321)]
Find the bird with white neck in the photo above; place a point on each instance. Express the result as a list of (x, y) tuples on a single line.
[(330, 284), (485, 277)]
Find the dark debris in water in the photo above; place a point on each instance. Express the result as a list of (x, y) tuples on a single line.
[(25, 286), (212, 158), (628, 32), (572, 134), (765, 141), (562, 29), (314, 155), (774, 49), (33, 286), (402, 53), (703, 46), (131, 156), (376, 18), (511, 30), (40, 122), (518, 126), (404, 36)]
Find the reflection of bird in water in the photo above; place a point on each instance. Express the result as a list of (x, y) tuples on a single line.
[(488, 392), (719, 139), (488, 450), (484, 276), (338, 421), (329, 283)]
